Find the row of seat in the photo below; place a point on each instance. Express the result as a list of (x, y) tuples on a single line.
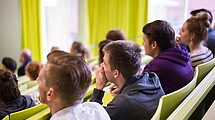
[(189, 97), (39, 112)]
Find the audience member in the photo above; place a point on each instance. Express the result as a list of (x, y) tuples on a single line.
[(210, 42), (10, 97), (32, 70), (54, 48), (100, 52), (9, 64), (171, 63), (79, 49), (193, 33), (139, 95), (25, 58), (115, 34), (63, 82)]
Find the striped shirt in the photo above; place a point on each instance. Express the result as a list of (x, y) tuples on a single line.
[(200, 56)]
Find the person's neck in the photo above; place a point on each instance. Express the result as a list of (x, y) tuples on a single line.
[(120, 82), (194, 48)]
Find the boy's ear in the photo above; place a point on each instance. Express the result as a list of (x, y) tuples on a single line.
[(154, 45)]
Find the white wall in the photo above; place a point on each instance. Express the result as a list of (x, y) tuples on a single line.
[(10, 29)]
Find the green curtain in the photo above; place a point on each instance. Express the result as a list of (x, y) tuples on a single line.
[(31, 33), (128, 15)]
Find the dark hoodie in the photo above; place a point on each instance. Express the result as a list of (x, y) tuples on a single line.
[(137, 99), (16, 105), (173, 68)]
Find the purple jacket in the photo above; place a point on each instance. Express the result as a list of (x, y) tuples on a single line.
[(173, 68)]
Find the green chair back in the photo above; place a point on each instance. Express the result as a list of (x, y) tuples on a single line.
[(23, 87), (168, 103), (189, 105), (6, 118), (89, 93), (42, 115), (23, 79), (204, 69), (30, 90), (24, 114), (32, 84)]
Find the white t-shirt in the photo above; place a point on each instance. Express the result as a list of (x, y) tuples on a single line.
[(85, 111)]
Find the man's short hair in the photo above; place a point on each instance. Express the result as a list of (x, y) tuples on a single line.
[(69, 75), (115, 34), (161, 32), (33, 69), (9, 88), (124, 56), (195, 12), (9, 63)]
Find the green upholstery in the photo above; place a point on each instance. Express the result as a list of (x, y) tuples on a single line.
[(24, 114), (32, 84), (23, 87), (89, 93), (204, 69), (30, 90), (42, 115), (6, 118), (169, 102), (188, 106), (23, 79)]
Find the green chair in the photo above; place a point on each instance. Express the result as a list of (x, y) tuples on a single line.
[(32, 84), (23, 87), (30, 90), (204, 69), (6, 118), (23, 79), (189, 105), (169, 102), (24, 114), (42, 115), (89, 93)]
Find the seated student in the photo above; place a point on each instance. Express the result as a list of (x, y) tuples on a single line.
[(32, 69), (139, 95), (210, 40), (25, 58), (9, 64), (115, 34), (63, 82), (194, 33), (79, 49), (10, 98), (171, 63)]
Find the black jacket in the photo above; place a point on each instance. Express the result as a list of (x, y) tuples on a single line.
[(15, 105), (137, 99)]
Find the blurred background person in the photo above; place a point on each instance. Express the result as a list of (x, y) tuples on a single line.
[(9, 64), (25, 58)]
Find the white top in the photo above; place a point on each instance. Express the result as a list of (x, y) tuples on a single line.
[(85, 111)]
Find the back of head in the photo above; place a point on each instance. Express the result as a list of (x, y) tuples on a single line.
[(116, 34), (161, 32), (69, 75), (101, 46), (9, 89), (9, 63), (195, 12), (199, 25), (54, 48), (26, 54), (124, 56), (78, 48), (33, 69)]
